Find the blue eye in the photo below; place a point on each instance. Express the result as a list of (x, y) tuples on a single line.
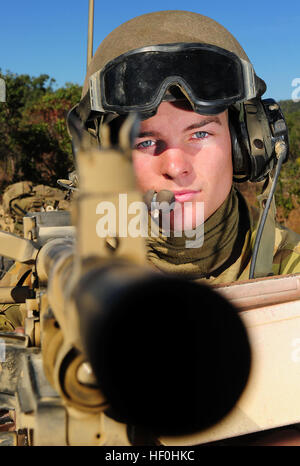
[(145, 144), (200, 135)]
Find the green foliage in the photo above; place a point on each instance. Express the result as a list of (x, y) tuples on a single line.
[(293, 122), (34, 142), (288, 187), (289, 106)]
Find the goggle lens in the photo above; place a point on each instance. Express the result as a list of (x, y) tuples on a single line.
[(138, 78)]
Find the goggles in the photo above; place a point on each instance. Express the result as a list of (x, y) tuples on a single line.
[(210, 77)]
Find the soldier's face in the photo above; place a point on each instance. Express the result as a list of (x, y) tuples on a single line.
[(188, 154)]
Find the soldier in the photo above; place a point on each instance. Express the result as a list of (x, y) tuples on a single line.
[(203, 127)]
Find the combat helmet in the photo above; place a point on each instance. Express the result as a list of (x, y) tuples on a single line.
[(173, 51)]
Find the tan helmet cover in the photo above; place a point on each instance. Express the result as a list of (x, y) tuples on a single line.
[(162, 27)]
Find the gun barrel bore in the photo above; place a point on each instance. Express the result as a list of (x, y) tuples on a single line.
[(170, 356)]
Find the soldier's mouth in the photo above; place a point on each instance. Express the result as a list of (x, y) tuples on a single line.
[(185, 195)]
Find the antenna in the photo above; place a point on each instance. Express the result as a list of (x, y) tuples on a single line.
[(90, 32), (2, 90)]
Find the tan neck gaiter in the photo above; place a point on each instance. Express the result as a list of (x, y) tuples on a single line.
[(223, 240)]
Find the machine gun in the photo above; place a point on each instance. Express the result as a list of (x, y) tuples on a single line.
[(112, 351)]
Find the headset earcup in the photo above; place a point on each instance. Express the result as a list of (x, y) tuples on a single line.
[(240, 156)]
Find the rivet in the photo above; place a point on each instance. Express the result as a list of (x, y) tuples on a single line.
[(258, 143)]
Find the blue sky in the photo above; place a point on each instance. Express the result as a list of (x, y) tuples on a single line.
[(39, 36)]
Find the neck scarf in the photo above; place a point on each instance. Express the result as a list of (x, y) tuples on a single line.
[(224, 234)]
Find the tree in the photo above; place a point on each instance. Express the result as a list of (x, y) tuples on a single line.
[(289, 106), (34, 143), (46, 145), (293, 122)]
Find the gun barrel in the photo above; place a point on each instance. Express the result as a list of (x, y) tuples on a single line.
[(169, 355)]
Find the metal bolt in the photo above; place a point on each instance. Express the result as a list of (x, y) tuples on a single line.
[(258, 143)]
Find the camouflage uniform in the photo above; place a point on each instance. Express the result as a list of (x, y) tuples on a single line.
[(286, 254), (223, 258)]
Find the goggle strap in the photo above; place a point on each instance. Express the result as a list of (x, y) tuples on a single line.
[(249, 80), (84, 108), (95, 92)]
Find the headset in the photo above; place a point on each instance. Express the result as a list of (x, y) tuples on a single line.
[(255, 127)]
